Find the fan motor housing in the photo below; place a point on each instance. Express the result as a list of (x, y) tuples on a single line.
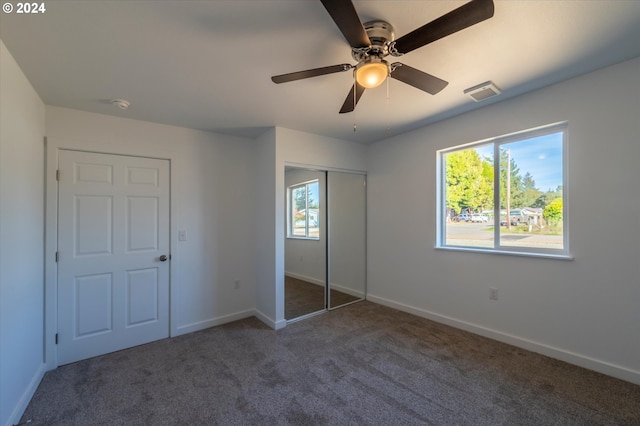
[(380, 33)]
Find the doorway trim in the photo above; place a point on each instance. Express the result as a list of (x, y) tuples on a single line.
[(53, 146)]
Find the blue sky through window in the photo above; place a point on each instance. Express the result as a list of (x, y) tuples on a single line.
[(539, 156)]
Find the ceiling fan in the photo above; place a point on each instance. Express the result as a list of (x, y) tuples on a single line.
[(373, 41)]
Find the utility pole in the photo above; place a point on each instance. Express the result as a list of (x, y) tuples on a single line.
[(508, 189)]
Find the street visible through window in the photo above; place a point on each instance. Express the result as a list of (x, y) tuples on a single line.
[(506, 194)]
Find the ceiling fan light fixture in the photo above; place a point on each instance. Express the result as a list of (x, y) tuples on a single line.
[(372, 41), (372, 72)]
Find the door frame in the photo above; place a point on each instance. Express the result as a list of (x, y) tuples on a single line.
[(53, 146)]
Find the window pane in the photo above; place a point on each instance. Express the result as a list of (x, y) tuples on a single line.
[(531, 208), (304, 210), (299, 211), (313, 193), (469, 197)]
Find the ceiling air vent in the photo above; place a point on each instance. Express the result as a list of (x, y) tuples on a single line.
[(482, 91)]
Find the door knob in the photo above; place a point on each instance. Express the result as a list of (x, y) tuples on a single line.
[(163, 258)]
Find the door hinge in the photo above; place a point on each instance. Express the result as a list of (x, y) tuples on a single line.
[(57, 256), (58, 175), (56, 338)]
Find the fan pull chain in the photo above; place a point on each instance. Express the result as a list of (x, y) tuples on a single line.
[(388, 108), (388, 90), (355, 127)]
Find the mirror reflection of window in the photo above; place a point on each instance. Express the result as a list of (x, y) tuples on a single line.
[(304, 210)]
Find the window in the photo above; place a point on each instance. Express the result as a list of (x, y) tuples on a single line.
[(303, 210), (506, 194)]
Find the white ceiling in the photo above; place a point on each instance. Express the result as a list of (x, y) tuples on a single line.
[(207, 64)]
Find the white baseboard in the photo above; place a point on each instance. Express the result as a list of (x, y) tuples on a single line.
[(18, 411), (311, 280), (334, 286), (347, 290), (600, 366), (276, 325), (201, 325)]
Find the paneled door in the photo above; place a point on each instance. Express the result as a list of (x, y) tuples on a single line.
[(113, 253)]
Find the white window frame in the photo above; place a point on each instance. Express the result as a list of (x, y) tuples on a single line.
[(291, 219), (497, 142)]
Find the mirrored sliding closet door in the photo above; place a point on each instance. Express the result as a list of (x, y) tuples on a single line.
[(305, 242), (325, 241), (346, 207)]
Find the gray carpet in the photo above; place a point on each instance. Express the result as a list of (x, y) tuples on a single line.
[(364, 364)]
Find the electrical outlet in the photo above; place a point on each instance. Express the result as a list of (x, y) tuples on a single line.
[(236, 284), (493, 293)]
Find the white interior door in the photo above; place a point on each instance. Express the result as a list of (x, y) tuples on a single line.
[(113, 231)]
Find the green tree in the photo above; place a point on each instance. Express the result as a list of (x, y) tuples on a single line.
[(485, 193), (467, 185), (313, 201), (553, 212), (530, 194), (300, 197), (516, 182), (306, 194), (544, 199)]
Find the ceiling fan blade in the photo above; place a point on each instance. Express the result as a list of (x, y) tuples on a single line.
[(350, 103), (299, 75), (458, 19), (416, 78), (346, 18)]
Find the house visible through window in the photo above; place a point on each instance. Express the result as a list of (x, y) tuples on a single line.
[(506, 194), (303, 210)]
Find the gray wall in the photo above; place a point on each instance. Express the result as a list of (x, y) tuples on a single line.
[(269, 298), (212, 198), (583, 310), (22, 124)]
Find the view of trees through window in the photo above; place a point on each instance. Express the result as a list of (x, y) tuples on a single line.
[(304, 210), (528, 210)]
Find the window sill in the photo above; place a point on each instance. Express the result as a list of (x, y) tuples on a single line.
[(303, 238), (508, 253)]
